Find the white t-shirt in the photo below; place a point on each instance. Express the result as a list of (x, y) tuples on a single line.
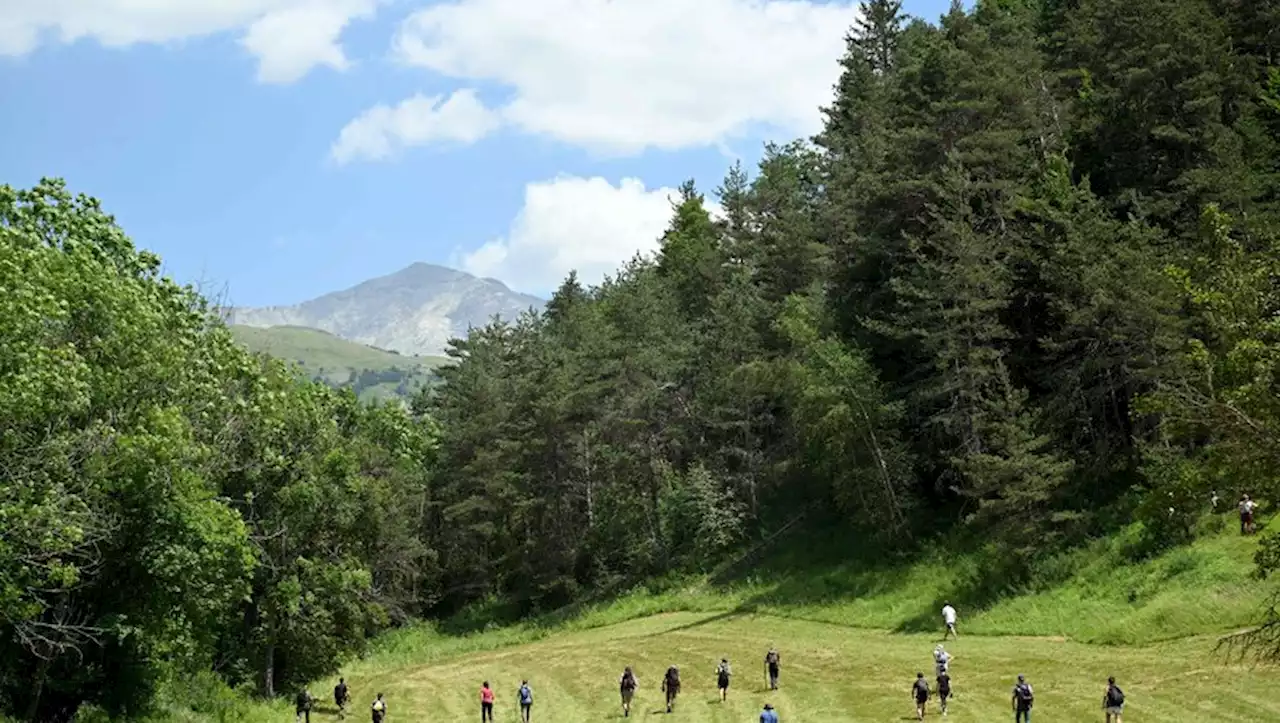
[(1247, 506), (949, 615)]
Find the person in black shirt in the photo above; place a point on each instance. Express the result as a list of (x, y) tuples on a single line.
[(944, 689), (920, 691), (341, 697)]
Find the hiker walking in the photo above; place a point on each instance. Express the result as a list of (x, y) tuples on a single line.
[(341, 697), (949, 619), (1113, 701), (722, 678), (942, 659), (767, 715), (627, 684), (1023, 698), (944, 689), (1246, 515), (379, 709), (302, 706), (525, 694), (920, 693), (771, 662), (671, 686), (486, 703)]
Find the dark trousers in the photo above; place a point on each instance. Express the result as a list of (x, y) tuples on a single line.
[(1022, 715), (486, 711)]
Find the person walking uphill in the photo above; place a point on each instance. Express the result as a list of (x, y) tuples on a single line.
[(341, 696), (944, 689), (486, 702), (302, 705), (1113, 701), (627, 685), (722, 678), (525, 694), (1247, 507), (771, 663), (671, 686), (1023, 698), (767, 715), (949, 619), (920, 692), (379, 709)]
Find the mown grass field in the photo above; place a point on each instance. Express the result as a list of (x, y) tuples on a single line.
[(830, 673), (853, 637)]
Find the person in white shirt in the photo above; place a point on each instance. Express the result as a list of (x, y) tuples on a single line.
[(1246, 515), (949, 617), (942, 660)]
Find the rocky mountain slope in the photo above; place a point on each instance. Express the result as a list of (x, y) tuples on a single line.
[(413, 311)]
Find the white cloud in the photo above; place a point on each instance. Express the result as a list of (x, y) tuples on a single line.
[(289, 37), (573, 223), (619, 76), (381, 130)]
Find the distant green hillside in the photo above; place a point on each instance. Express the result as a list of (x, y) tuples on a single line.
[(373, 373)]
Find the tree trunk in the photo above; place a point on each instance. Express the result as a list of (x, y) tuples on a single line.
[(269, 671), (37, 689)]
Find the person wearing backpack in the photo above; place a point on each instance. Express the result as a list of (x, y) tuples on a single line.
[(920, 694), (1247, 507), (379, 709), (1113, 701), (525, 694), (671, 686), (768, 715), (486, 703), (302, 705), (771, 663), (1023, 699), (722, 678), (942, 659), (944, 689), (627, 684), (341, 696)]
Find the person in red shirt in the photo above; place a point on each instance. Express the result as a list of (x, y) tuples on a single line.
[(486, 703)]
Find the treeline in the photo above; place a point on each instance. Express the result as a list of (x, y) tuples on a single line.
[(1021, 288), (169, 504)]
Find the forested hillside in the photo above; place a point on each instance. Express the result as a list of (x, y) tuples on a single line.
[(1019, 292), (1020, 289)]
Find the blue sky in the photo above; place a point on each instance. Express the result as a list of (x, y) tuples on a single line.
[(281, 149)]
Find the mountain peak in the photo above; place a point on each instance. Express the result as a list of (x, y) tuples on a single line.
[(415, 310)]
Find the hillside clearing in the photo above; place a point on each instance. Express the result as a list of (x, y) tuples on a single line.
[(830, 673)]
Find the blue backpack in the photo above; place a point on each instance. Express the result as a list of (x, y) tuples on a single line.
[(526, 695)]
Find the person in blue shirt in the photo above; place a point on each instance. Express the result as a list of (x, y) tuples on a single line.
[(526, 700), (768, 716)]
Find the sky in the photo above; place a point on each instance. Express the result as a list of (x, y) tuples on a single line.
[(275, 150)]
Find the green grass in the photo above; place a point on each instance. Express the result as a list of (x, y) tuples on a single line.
[(853, 636), (323, 355)]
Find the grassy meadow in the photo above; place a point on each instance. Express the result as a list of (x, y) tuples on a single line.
[(332, 358), (852, 636)]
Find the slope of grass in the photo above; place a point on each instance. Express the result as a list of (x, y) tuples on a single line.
[(853, 636), (333, 359)]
